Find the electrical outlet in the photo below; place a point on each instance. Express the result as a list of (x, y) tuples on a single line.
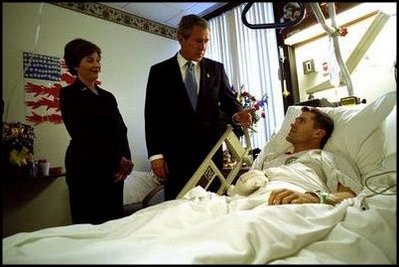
[(308, 66)]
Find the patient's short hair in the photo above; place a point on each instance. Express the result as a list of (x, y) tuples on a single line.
[(188, 22), (321, 121), (76, 50)]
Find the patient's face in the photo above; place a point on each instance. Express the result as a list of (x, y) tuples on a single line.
[(302, 129)]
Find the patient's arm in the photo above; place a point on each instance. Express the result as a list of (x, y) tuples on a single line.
[(342, 193), (285, 196)]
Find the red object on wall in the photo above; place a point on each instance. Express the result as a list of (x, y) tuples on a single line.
[(44, 77)]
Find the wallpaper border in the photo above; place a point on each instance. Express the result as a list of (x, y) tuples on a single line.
[(118, 16)]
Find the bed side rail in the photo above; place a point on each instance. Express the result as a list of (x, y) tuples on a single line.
[(207, 172)]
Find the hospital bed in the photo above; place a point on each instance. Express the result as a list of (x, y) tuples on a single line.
[(143, 189), (140, 190), (203, 227)]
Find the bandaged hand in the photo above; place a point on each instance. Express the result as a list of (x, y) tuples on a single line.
[(248, 183)]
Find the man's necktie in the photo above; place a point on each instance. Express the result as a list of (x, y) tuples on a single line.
[(191, 84)]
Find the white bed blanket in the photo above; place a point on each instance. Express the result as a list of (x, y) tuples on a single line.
[(206, 228), (363, 237)]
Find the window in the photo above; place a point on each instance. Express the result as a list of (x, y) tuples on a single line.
[(251, 59)]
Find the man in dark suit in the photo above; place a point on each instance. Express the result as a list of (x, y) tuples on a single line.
[(182, 129)]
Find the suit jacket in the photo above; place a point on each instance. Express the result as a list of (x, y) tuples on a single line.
[(98, 133), (173, 128)]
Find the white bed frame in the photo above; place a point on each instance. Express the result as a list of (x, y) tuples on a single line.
[(208, 171)]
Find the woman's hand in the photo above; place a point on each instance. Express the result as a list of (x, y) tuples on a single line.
[(124, 169)]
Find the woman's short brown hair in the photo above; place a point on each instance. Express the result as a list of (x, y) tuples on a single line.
[(76, 50)]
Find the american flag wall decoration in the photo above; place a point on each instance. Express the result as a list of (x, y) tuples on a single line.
[(43, 78), (42, 67)]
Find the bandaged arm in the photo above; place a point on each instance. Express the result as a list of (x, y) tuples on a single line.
[(287, 196)]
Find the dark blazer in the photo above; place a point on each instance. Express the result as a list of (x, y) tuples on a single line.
[(174, 129), (98, 142), (98, 133)]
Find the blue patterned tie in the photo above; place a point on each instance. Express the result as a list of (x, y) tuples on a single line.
[(191, 84)]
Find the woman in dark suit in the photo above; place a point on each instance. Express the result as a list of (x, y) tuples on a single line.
[(180, 133), (98, 157)]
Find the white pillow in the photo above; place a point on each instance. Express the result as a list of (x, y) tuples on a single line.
[(358, 132), (390, 132), (137, 185), (385, 176)]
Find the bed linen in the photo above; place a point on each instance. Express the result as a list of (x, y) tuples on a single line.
[(204, 227), (200, 228), (207, 228), (138, 185), (364, 236)]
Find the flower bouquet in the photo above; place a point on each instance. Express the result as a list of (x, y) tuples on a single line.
[(249, 101), (17, 148)]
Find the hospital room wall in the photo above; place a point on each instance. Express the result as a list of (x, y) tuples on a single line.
[(373, 76), (127, 55)]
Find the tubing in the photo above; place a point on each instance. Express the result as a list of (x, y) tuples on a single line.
[(332, 32)]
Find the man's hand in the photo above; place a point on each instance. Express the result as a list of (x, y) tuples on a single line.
[(244, 117), (285, 196), (160, 169)]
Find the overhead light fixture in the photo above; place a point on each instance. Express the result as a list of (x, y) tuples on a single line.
[(356, 13)]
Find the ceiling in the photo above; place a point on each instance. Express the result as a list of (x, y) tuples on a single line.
[(165, 13)]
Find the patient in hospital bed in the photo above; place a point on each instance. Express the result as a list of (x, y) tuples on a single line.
[(206, 228), (304, 173)]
